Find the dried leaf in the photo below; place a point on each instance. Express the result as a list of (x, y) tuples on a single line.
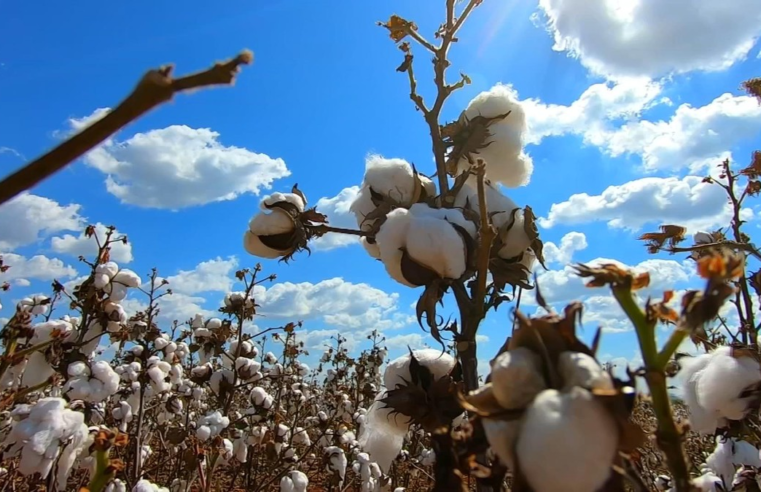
[(398, 27), (532, 231)]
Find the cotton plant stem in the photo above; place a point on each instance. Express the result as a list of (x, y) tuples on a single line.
[(155, 88), (668, 435), (101, 477)]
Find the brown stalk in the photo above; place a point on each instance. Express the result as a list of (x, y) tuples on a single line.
[(155, 88)]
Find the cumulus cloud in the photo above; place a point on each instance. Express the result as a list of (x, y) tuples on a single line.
[(693, 138), (337, 210), (335, 302), (562, 286), (191, 162), (38, 267), (82, 245), (26, 218), (653, 37), (686, 201), (215, 275), (569, 244), (594, 113)]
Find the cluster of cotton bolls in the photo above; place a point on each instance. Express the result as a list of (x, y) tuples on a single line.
[(395, 204), (92, 384)]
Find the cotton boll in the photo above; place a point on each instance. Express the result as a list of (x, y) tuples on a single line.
[(294, 481), (429, 238), (34, 305), (572, 431), (146, 486), (270, 222), (116, 485), (292, 198), (724, 379), (37, 371), (383, 434), (516, 378), (504, 214), (502, 436), (713, 384), (128, 278), (579, 369), (506, 161), (109, 269)]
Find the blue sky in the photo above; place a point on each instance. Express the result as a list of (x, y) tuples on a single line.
[(625, 111)]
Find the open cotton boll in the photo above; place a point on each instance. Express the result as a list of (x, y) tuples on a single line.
[(50, 433), (294, 481), (266, 224), (701, 419), (580, 369), (430, 239), (34, 305), (394, 178), (277, 197), (503, 211), (516, 378), (506, 161), (724, 379), (573, 432), (382, 436), (502, 436), (146, 486)]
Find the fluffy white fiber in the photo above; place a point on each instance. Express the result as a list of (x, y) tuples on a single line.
[(506, 161)]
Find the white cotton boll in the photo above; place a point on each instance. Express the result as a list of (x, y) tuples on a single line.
[(161, 343), (294, 481), (117, 292), (203, 432), (708, 482), (393, 178), (146, 486), (722, 381), (78, 369), (34, 305), (292, 198), (100, 280), (720, 461), (116, 485), (579, 369), (127, 278), (746, 454), (337, 461), (240, 449), (110, 269), (503, 211), (267, 223), (701, 419), (575, 433), (502, 436), (506, 161), (383, 434), (216, 380), (516, 378)]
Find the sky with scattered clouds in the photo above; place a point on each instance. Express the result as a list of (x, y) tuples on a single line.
[(627, 108)]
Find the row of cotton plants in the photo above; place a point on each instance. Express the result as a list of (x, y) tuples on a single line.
[(182, 407)]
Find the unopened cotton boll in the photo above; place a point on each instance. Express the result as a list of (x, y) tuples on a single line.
[(575, 433), (430, 238), (505, 159)]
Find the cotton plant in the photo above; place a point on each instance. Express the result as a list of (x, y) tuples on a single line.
[(94, 383)]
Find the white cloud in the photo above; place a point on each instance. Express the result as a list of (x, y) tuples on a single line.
[(88, 247), (653, 37), (337, 210), (693, 138), (25, 218), (593, 113), (208, 276), (412, 340), (685, 201), (37, 267), (179, 166), (562, 286), (569, 244), (335, 301)]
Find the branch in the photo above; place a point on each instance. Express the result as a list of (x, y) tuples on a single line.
[(747, 247), (487, 234), (668, 434), (155, 88), (323, 229)]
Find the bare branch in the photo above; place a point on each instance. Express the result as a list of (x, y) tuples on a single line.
[(155, 88)]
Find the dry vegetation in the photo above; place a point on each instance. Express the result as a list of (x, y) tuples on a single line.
[(210, 405)]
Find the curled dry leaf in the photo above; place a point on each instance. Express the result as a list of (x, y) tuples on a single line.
[(465, 137), (669, 234), (398, 28), (613, 275)]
